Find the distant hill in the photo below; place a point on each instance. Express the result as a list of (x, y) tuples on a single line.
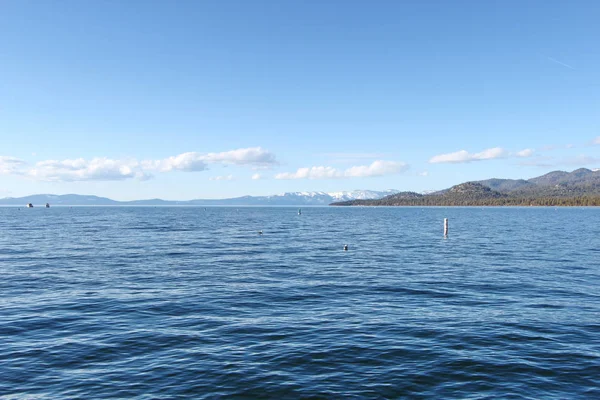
[(581, 177), (558, 188), (581, 182), (67, 199), (551, 178), (467, 193), (506, 185), (405, 196), (289, 199)]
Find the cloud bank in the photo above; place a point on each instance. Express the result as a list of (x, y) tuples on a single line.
[(464, 156), (525, 153), (255, 156), (97, 169), (106, 169), (377, 168)]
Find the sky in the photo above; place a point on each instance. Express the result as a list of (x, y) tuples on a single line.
[(216, 99)]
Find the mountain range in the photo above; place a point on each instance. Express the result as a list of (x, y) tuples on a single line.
[(285, 199), (579, 187), (558, 188)]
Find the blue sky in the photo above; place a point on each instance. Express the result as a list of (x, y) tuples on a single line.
[(213, 99)]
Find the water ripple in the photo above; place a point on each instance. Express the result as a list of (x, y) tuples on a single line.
[(181, 302)]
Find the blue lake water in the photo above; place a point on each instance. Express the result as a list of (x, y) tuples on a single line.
[(128, 302)]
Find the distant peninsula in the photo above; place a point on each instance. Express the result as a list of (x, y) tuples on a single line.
[(558, 188)]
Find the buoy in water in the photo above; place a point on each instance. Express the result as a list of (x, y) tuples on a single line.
[(345, 247), (260, 232)]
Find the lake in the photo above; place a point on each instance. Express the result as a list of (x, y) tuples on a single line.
[(186, 302)]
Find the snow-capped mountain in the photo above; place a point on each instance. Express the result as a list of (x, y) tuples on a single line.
[(361, 194), (320, 198)]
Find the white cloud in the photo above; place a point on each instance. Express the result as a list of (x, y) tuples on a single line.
[(193, 161), (221, 178), (190, 162), (423, 173), (256, 177), (490, 154), (106, 169), (311, 173), (525, 153), (456, 157), (596, 141), (464, 156), (377, 168), (10, 165), (96, 169), (255, 156)]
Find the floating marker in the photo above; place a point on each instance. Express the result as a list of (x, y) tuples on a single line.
[(345, 247), (260, 232), (445, 226)]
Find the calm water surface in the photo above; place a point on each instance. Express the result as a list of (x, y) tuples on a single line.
[(187, 302)]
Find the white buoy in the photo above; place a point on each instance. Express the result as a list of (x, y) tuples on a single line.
[(445, 226), (345, 247)]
